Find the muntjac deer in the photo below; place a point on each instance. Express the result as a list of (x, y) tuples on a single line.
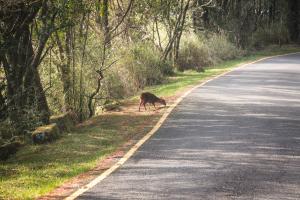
[(148, 97)]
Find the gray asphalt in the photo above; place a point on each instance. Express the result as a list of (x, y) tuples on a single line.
[(237, 137)]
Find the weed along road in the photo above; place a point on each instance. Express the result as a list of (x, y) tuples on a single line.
[(236, 137)]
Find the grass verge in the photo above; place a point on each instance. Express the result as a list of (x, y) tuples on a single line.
[(37, 169)]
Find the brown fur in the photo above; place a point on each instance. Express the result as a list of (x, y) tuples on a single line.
[(148, 97)]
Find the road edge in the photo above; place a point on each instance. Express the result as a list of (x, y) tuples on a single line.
[(133, 149)]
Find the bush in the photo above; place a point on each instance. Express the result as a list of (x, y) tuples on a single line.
[(197, 53), (194, 54), (140, 66), (221, 48), (146, 65)]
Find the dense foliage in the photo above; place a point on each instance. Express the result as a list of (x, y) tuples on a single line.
[(76, 55)]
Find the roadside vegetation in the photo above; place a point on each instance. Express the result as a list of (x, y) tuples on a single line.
[(44, 167), (64, 64)]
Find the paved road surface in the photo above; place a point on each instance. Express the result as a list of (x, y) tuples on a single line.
[(238, 137)]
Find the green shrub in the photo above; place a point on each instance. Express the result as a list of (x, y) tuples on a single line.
[(199, 52), (146, 65), (194, 54), (140, 66), (165, 68), (115, 83), (221, 48)]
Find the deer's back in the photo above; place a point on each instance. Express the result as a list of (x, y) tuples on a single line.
[(148, 97)]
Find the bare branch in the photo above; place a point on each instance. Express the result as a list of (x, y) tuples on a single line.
[(206, 4), (123, 17)]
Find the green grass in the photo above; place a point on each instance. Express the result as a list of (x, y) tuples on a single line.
[(37, 169)]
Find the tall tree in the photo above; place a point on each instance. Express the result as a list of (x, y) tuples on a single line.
[(22, 48)]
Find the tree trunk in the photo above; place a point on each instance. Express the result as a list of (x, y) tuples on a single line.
[(65, 67), (24, 89), (104, 22), (3, 106), (25, 93)]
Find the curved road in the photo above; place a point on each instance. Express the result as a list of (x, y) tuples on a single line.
[(237, 137)]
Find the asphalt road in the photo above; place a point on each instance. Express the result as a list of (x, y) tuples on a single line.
[(237, 137)]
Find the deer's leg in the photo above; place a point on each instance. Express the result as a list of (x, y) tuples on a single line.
[(140, 105), (154, 105), (145, 106)]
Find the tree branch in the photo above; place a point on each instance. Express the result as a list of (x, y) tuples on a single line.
[(123, 17)]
